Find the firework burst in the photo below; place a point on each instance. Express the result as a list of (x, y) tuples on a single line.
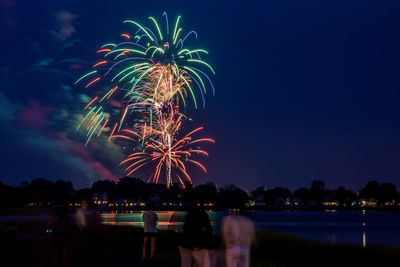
[(149, 77), (144, 72), (169, 155)]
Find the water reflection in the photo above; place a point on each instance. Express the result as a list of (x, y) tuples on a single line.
[(135, 219), (383, 228), (364, 242), (167, 220), (364, 239)]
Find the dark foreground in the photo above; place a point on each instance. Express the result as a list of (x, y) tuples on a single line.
[(28, 245)]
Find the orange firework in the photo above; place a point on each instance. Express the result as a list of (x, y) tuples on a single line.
[(168, 154)]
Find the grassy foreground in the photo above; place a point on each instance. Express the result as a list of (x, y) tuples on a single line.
[(28, 245)]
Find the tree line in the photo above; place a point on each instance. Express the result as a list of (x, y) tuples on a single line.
[(41, 192), (372, 194)]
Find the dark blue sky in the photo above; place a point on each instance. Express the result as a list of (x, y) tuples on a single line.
[(304, 89)]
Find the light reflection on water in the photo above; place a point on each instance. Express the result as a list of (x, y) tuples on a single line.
[(167, 220), (351, 227)]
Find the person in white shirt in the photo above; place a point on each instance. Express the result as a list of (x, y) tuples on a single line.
[(80, 216), (150, 220), (238, 234)]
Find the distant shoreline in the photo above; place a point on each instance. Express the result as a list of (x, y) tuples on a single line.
[(32, 211)]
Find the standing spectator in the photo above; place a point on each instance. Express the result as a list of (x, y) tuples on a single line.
[(80, 216), (150, 220), (238, 234), (197, 239)]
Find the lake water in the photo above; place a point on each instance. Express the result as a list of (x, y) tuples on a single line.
[(346, 227)]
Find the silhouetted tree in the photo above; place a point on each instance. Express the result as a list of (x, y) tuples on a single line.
[(258, 193), (318, 185), (318, 194), (134, 188), (105, 186), (388, 193), (63, 192), (344, 197), (385, 193), (205, 193), (84, 194), (41, 191), (276, 196), (172, 194), (22, 194), (303, 195), (371, 191), (7, 196), (188, 193), (231, 196)]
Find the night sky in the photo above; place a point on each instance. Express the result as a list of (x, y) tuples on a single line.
[(304, 89)]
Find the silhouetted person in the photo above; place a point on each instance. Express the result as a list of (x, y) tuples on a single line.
[(238, 234), (150, 220), (197, 239)]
